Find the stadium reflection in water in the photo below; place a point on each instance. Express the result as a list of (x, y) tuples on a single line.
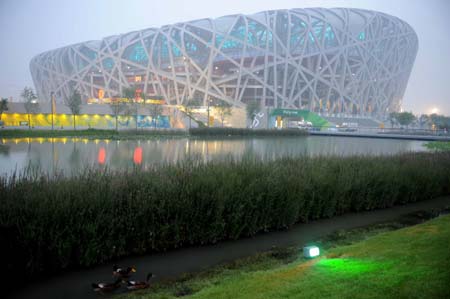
[(71, 155)]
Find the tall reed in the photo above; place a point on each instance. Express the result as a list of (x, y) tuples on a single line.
[(51, 223)]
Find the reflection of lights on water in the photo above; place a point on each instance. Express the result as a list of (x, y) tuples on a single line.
[(137, 156), (101, 155)]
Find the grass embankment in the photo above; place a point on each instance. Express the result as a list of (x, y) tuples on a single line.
[(243, 132), (53, 223), (143, 134), (438, 145), (91, 133), (413, 262)]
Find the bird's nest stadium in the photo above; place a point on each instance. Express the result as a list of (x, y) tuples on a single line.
[(338, 61)]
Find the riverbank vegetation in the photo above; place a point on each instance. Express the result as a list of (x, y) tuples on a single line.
[(375, 263), (438, 145), (52, 223)]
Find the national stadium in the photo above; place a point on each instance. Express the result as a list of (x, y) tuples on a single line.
[(339, 62)]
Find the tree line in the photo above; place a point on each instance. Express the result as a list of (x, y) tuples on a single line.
[(74, 102), (424, 121), (130, 107), (223, 109)]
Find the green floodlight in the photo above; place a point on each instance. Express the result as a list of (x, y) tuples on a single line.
[(311, 251)]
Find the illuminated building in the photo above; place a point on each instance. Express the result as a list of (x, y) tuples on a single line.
[(335, 61)]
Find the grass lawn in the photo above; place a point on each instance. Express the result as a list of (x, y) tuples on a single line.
[(412, 262)]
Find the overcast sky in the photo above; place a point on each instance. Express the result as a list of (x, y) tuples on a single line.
[(29, 27)]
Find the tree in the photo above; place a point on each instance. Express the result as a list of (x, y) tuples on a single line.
[(117, 107), (440, 121), (155, 110), (74, 104), (3, 106), (129, 93), (405, 118), (223, 109), (423, 120), (31, 105), (252, 109), (189, 107), (392, 118)]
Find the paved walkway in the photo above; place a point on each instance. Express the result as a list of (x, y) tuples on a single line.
[(174, 263)]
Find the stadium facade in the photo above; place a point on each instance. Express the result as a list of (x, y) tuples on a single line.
[(338, 61)]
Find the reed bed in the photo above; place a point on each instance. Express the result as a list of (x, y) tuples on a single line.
[(51, 223)]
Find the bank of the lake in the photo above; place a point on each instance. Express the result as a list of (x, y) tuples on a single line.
[(91, 133), (55, 223), (245, 132), (373, 262), (149, 133), (438, 145)]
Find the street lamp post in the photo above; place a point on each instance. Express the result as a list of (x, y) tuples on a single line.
[(207, 120), (208, 105), (52, 96)]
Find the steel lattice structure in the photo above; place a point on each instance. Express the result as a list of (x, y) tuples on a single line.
[(337, 60)]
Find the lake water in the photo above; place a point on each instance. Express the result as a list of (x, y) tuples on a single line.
[(74, 154)]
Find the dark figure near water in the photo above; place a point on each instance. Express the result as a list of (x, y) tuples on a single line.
[(105, 287), (123, 273), (136, 285)]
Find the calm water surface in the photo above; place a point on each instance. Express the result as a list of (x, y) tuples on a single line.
[(74, 154)]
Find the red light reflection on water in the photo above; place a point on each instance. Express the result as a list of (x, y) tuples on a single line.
[(137, 156), (101, 155)]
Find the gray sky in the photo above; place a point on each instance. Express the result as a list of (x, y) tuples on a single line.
[(29, 27)]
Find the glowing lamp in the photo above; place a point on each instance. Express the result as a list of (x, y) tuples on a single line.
[(311, 251)]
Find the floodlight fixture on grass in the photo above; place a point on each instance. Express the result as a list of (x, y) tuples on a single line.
[(311, 251)]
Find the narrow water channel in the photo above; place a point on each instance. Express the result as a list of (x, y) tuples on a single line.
[(176, 262)]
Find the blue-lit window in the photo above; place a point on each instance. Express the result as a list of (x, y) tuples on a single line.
[(164, 48), (329, 34), (136, 53), (190, 47), (362, 36), (108, 63), (298, 29), (318, 29), (228, 43), (266, 37), (176, 52), (239, 32), (330, 38)]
